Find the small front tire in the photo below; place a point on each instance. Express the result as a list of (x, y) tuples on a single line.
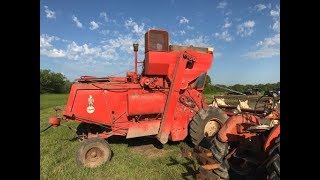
[(93, 152)]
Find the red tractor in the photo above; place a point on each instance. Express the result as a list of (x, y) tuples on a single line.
[(164, 101), (247, 146)]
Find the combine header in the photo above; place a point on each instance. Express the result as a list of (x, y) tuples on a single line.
[(165, 100)]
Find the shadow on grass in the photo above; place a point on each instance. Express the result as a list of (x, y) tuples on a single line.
[(190, 167), (146, 140), (139, 141)]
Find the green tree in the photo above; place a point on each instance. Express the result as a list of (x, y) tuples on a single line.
[(208, 88), (208, 80), (51, 82)]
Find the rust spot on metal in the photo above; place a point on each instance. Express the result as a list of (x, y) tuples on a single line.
[(210, 166)]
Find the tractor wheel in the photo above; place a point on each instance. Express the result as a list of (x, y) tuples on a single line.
[(206, 123), (93, 152), (273, 165), (219, 151)]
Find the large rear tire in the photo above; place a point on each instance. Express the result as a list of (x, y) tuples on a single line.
[(273, 165), (206, 123)]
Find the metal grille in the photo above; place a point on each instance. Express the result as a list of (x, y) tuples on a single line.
[(157, 41)]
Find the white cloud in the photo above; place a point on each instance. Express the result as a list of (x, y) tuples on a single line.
[(46, 48), (119, 49), (78, 23), (94, 25), (269, 47), (104, 16), (109, 56), (249, 24), (227, 24), (262, 53), (136, 28), (267, 42), (190, 27), (260, 7), (276, 26), (275, 13), (182, 32), (45, 40), (228, 13), (184, 20), (124, 43), (49, 13), (73, 51), (246, 28), (54, 53), (224, 36), (222, 5), (82, 52), (104, 32), (199, 41), (57, 53), (276, 19)]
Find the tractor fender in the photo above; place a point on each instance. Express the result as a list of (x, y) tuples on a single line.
[(232, 130), (275, 132)]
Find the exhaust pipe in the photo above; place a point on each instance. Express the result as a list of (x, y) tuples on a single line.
[(135, 49)]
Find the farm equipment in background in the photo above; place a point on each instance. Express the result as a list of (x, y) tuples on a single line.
[(247, 145), (233, 104), (164, 101)]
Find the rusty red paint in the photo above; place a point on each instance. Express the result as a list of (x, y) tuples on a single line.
[(275, 132), (54, 121), (149, 103), (144, 128), (231, 131), (134, 105), (171, 101)]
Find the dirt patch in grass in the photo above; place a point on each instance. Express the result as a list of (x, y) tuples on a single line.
[(150, 151)]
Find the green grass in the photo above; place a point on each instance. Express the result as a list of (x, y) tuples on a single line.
[(51, 100), (209, 97), (57, 153)]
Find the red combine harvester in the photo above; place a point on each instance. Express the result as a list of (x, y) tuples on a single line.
[(160, 102)]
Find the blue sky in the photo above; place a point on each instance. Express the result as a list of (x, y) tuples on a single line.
[(95, 37)]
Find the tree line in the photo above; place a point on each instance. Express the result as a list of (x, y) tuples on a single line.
[(51, 82), (211, 89)]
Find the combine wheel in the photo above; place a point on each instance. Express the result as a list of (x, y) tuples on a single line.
[(93, 152), (206, 123), (273, 165)]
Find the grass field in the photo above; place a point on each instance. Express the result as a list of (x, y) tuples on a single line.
[(137, 158)]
